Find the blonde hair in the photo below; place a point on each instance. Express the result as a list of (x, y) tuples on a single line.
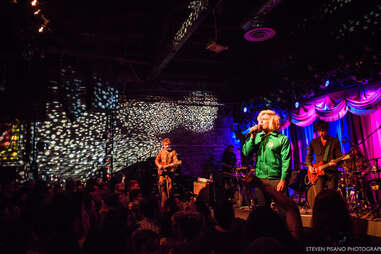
[(274, 121)]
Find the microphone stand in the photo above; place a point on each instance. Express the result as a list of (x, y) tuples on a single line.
[(370, 134)]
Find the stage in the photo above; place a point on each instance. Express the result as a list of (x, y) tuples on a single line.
[(362, 227)]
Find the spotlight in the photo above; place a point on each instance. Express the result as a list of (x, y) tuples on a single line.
[(37, 12), (41, 29), (256, 31), (244, 109), (260, 34), (297, 104), (34, 3), (327, 83), (46, 21)]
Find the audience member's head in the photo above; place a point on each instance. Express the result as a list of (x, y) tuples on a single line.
[(111, 200), (330, 214), (265, 222), (133, 185), (265, 245), (224, 214), (145, 242), (170, 205), (187, 224), (149, 208)]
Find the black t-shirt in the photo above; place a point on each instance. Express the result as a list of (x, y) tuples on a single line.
[(228, 158)]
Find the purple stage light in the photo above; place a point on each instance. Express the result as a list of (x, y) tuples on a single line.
[(259, 34)]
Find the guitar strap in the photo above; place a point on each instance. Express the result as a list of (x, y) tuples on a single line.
[(325, 157), (167, 158)]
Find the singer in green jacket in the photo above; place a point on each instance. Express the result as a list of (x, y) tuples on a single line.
[(273, 154)]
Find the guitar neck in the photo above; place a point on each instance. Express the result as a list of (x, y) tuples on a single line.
[(322, 167), (174, 164), (334, 161)]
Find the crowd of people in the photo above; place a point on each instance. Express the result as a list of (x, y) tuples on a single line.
[(99, 218)]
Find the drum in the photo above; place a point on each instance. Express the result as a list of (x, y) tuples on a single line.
[(375, 184), (311, 195)]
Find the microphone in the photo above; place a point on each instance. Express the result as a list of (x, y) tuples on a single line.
[(255, 129)]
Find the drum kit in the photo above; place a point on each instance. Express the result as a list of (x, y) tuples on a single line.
[(361, 189), (233, 183)]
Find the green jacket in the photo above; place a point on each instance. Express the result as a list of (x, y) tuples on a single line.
[(273, 155)]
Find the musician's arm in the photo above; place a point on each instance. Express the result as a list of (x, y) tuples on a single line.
[(309, 156), (286, 158), (293, 219), (251, 145), (175, 160)]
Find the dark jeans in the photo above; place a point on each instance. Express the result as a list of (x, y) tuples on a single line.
[(328, 180), (264, 199)]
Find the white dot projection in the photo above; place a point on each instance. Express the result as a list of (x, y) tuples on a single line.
[(72, 148), (72, 92), (197, 7), (105, 97), (78, 148)]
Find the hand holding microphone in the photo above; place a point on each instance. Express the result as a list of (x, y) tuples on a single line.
[(255, 129)]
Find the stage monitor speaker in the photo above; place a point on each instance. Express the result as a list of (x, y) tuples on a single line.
[(197, 186)]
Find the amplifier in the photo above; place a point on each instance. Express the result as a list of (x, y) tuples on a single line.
[(197, 186)]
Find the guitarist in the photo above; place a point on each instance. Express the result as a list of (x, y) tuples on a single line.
[(166, 162), (325, 149)]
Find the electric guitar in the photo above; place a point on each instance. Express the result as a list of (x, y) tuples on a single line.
[(170, 168), (319, 168)]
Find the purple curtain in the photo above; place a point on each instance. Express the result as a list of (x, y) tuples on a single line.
[(362, 127), (332, 107), (365, 102)]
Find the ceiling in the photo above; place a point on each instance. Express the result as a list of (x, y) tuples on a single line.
[(129, 41)]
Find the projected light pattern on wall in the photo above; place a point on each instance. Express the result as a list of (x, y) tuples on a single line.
[(72, 93), (105, 97), (77, 148), (71, 148)]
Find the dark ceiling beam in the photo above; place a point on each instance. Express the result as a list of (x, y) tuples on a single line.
[(259, 11), (175, 43)]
